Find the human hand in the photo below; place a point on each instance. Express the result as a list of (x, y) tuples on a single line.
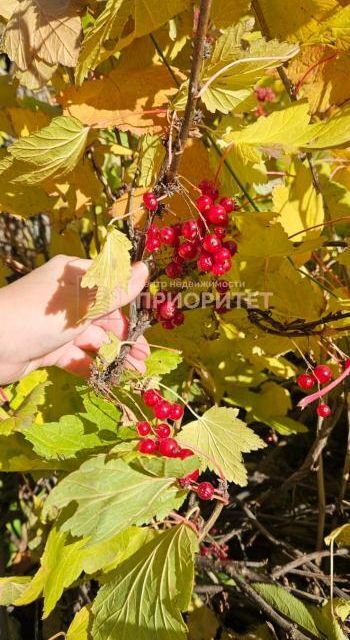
[(41, 320)]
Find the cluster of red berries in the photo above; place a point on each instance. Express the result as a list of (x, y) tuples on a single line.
[(219, 551), (157, 438), (265, 94), (200, 239), (321, 374), (167, 311)]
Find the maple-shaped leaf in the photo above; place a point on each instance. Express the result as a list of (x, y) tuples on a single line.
[(119, 24), (219, 439), (111, 269), (134, 101), (147, 594), (161, 362), (51, 152), (11, 589), (111, 496), (43, 31)]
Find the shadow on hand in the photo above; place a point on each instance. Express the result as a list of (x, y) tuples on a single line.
[(70, 298)]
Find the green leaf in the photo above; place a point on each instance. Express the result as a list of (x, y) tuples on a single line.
[(334, 132), (228, 77), (148, 592), (11, 589), (161, 362), (285, 425), (219, 438), (52, 152), (79, 627), (111, 496), (283, 601), (111, 269), (152, 156), (326, 621), (26, 412), (166, 467), (119, 24)]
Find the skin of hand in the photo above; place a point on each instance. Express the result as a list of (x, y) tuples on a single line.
[(41, 321)]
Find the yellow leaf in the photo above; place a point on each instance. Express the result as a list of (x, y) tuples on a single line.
[(341, 536), (298, 204), (21, 200), (26, 121), (132, 101), (37, 74), (79, 627), (297, 20), (111, 269), (224, 15), (7, 7)]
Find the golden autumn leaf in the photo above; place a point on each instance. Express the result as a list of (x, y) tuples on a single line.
[(322, 73), (297, 20), (132, 101), (26, 121)]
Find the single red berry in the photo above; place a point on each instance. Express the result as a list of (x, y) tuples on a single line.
[(231, 245), (162, 410), (177, 228), (162, 430), (221, 268), (217, 215), (147, 446), (143, 428), (204, 551), (151, 397), (191, 477), (150, 201), (229, 204), (323, 373), (168, 447), (153, 232), (173, 270), (323, 410), (260, 93), (208, 188), (167, 235), (176, 411), (220, 232), (269, 95), (204, 203), (222, 286), (205, 262), (222, 255), (153, 244), (185, 453), (305, 381), (167, 310), (211, 243), (205, 491), (189, 229), (179, 318), (188, 251)]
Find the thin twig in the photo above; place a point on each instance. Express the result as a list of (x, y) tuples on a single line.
[(315, 555), (211, 521)]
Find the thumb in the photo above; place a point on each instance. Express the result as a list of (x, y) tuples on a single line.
[(137, 282)]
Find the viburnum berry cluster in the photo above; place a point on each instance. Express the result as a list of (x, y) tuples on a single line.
[(167, 311), (215, 550), (156, 437), (201, 239), (265, 94), (321, 374)]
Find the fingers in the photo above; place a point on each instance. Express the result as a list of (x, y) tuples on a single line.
[(71, 358), (91, 339), (140, 350)]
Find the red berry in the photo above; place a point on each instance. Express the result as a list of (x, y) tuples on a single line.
[(147, 446), (221, 268), (143, 428), (151, 397), (231, 245), (222, 255), (189, 229), (204, 203), (204, 551), (150, 201), (305, 381), (217, 215), (220, 232), (177, 228), (178, 319), (205, 491), (260, 112), (205, 262), (167, 310), (162, 410), (162, 430), (153, 244), (208, 188), (222, 286), (347, 364), (323, 410), (153, 232), (191, 477), (323, 373), (229, 204), (168, 235), (168, 324), (168, 447), (173, 270), (211, 243), (176, 412), (185, 453), (188, 251)]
